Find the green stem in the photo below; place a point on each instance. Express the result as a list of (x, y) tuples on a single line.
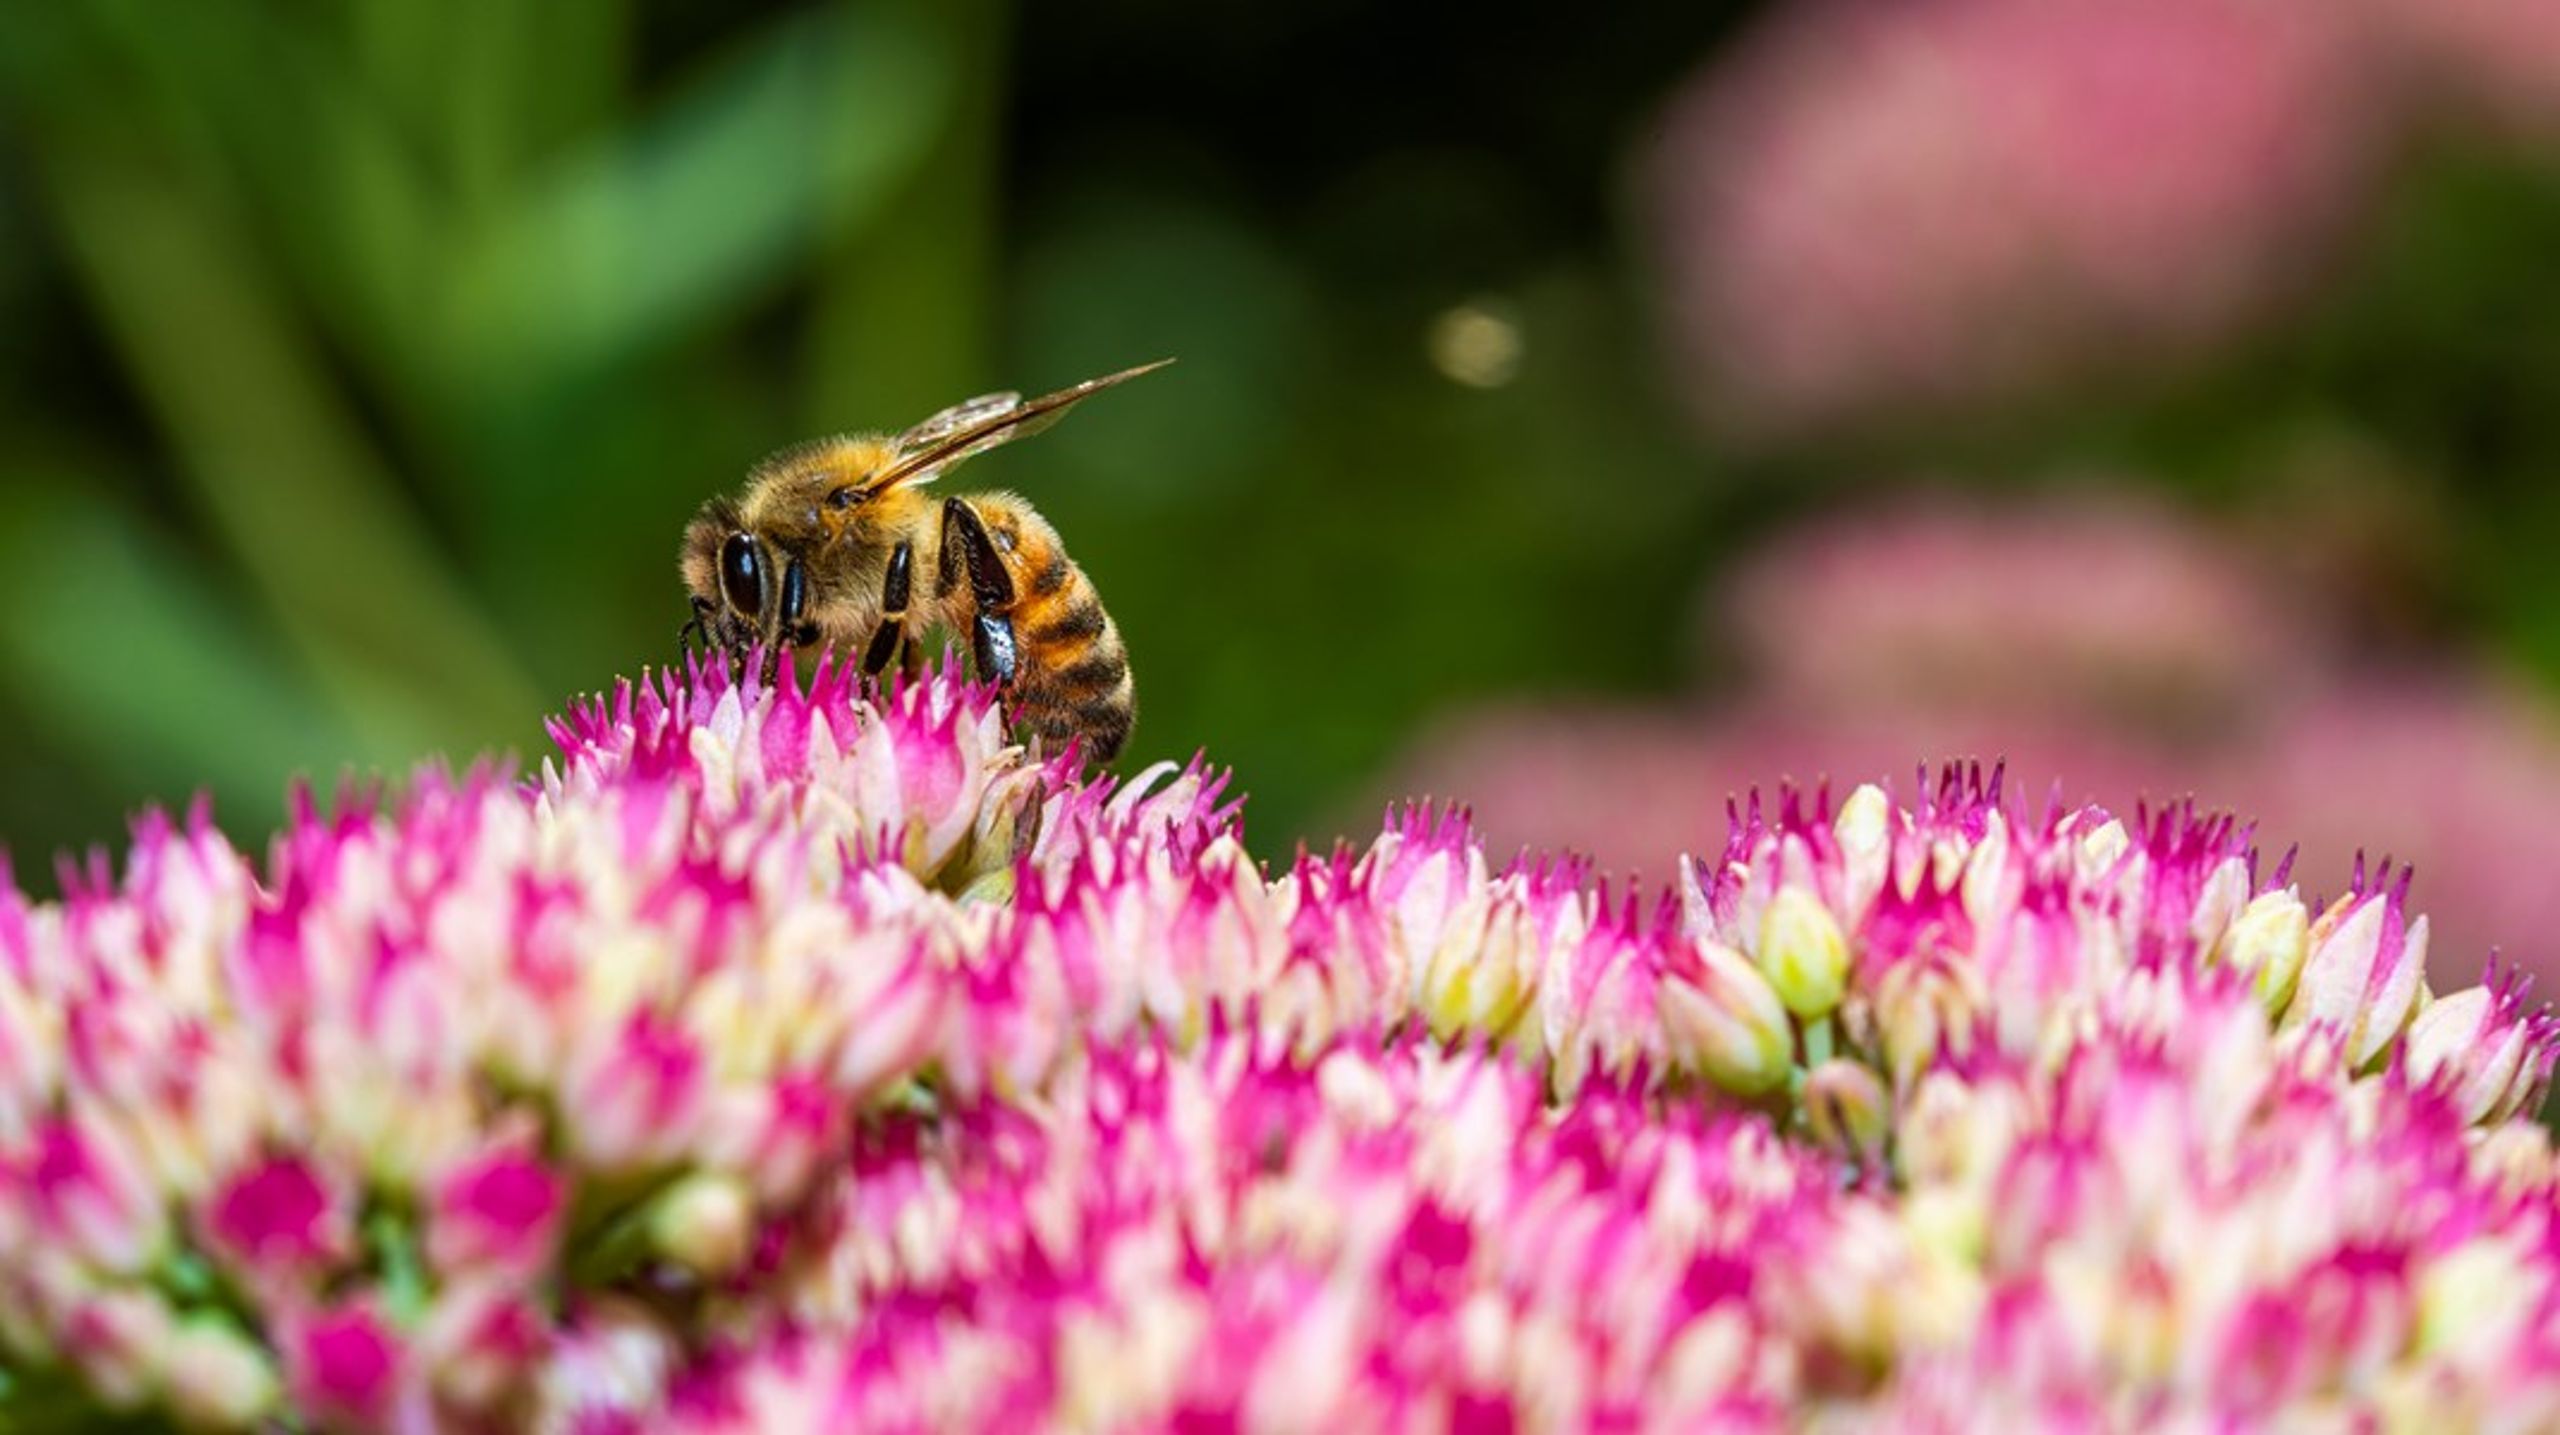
[(610, 1235), (196, 1286), (615, 1250), (404, 1276)]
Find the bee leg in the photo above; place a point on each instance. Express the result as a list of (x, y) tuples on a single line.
[(991, 632), (884, 646), (695, 635), (991, 641), (894, 591), (790, 630)]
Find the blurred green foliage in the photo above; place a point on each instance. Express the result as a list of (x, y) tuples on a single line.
[(362, 362)]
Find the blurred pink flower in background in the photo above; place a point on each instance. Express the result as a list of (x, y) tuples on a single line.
[(1900, 205), (2093, 639), (2106, 607), (1889, 208), (2492, 60)]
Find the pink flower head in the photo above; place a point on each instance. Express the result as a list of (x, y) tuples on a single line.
[(2482, 1044), (2061, 183), (929, 757), (2120, 648), (643, 1096), (1600, 1013), (344, 1365), (2068, 611), (80, 1184), (117, 1340), (483, 1342), (2492, 60), (499, 1209), (671, 1099), (2366, 965), (281, 1215)]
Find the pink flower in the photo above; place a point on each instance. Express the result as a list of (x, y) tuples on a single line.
[(2109, 611), (79, 1184), (2494, 60), (1879, 210), (641, 1098), (484, 1341), (2481, 1044), (118, 1340), (2365, 966), (2117, 648), (2064, 185), (659, 1094), (499, 1209), (344, 1366), (278, 1213)]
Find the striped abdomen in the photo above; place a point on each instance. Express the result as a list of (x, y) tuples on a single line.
[(1072, 675)]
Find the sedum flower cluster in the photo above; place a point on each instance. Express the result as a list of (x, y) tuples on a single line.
[(804, 1058), (2097, 635), (2076, 189)]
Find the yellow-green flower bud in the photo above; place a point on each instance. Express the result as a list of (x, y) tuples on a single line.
[(1846, 1107), (216, 1378), (1725, 1021), (704, 1222), (1802, 952), (2269, 941)]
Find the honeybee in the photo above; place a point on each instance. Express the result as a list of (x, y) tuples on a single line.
[(835, 541)]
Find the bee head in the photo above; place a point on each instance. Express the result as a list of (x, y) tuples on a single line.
[(747, 588)]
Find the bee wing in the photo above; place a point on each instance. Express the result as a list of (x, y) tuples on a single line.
[(985, 422), (955, 418)]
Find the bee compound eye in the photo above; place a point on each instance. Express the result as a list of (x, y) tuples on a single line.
[(742, 574)]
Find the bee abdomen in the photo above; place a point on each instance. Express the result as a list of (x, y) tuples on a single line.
[(1075, 677)]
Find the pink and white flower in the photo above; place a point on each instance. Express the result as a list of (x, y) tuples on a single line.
[(800, 1057)]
